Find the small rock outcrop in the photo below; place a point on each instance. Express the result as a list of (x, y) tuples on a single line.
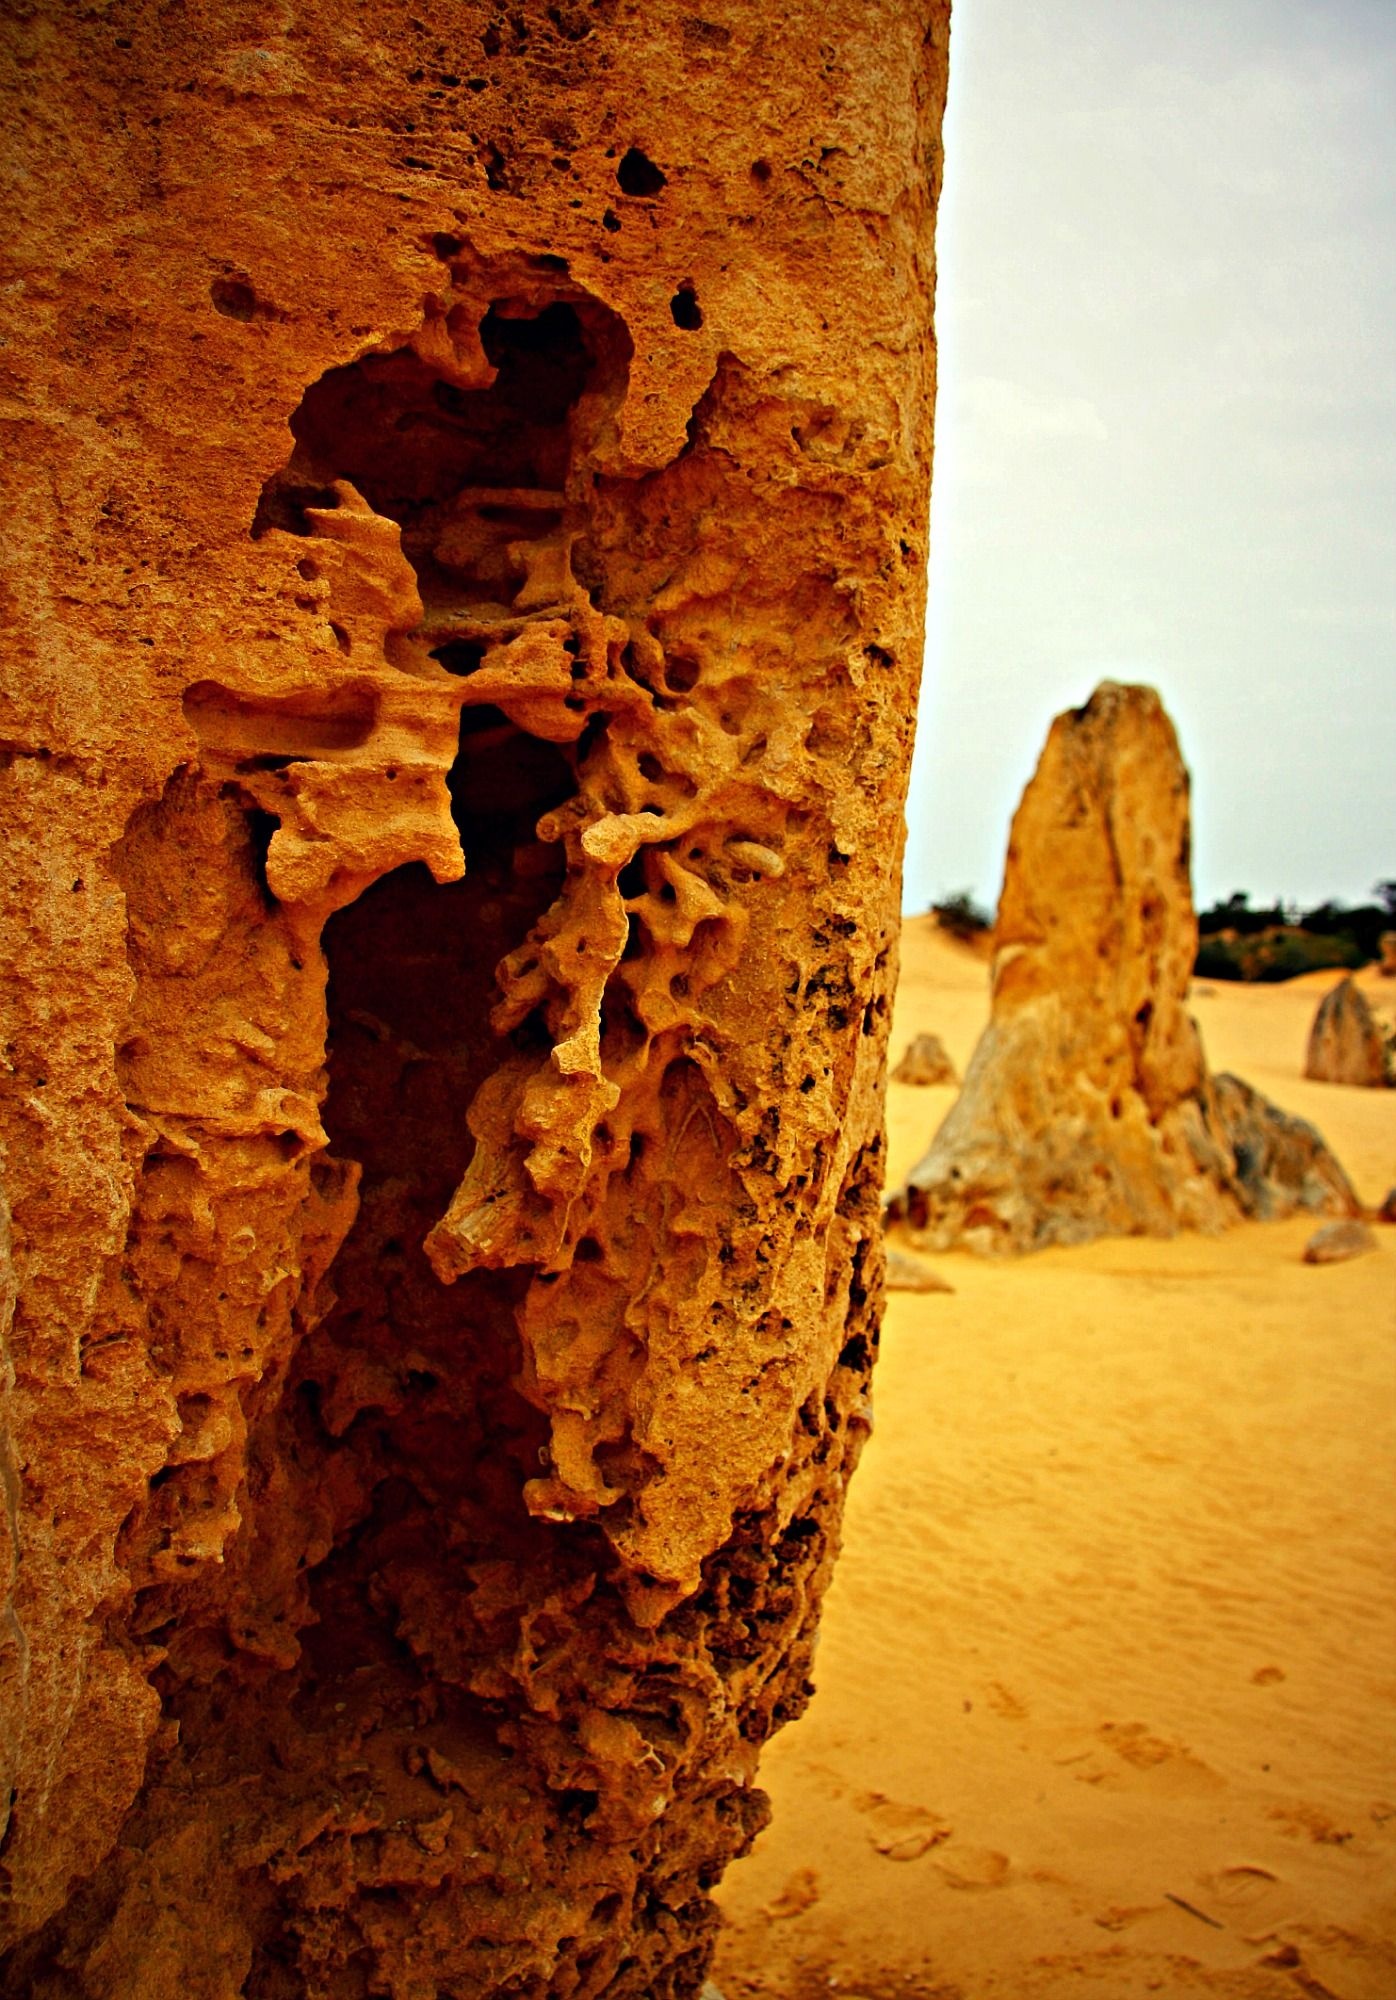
[(1336, 1242), (1387, 946), (1087, 1109), (1280, 1162), (1346, 1043), (906, 1273), (925, 1062)]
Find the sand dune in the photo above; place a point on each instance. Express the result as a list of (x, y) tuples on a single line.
[(1107, 1681)]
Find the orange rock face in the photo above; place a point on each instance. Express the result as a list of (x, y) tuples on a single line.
[(1087, 1109), (467, 577)]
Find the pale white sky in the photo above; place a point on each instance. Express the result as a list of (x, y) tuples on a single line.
[(1166, 441)]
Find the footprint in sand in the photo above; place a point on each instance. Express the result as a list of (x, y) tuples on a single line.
[(1132, 1742), (1304, 1822), (1121, 1916), (1171, 1766), (1137, 1747), (898, 1831), (974, 1868), (1248, 1895)]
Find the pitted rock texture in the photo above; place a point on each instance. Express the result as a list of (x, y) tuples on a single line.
[(1346, 1042), (1087, 1109), (472, 474)]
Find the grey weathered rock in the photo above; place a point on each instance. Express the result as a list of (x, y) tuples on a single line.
[(1346, 1044), (1280, 1162), (1337, 1241)]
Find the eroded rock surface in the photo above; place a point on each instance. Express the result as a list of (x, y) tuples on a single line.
[(1346, 1043), (1087, 1109), (472, 504)]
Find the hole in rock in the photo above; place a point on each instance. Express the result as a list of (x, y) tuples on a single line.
[(417, 1378), (386, 1533), (686, 311), (402, 1439), (283, 504), (472, 476), (260, 827), (234, 298), (460, 656), (483, 720), (577, 1803), (411, 981), (637, 174), (681, 673)]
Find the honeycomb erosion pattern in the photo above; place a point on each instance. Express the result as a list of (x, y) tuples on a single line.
[(453, 879)]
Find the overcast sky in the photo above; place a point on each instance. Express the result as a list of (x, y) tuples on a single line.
[(1166, 439)]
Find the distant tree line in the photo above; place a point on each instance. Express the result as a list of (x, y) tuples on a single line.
[(1238, 942), (1269, 942)]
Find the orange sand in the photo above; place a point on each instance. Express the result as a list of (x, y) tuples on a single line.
[(1107, 1681)]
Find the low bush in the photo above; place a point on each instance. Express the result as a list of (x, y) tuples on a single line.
[(961, 916), (1282, 952), (1237, 942)]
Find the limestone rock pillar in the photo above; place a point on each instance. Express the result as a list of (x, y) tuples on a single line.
[(1346, 1042), (469, 473), (1088, 1109)]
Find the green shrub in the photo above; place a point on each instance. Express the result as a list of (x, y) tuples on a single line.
[(1286, 954), (1217, 960), (961, 915), (1281, 952)]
